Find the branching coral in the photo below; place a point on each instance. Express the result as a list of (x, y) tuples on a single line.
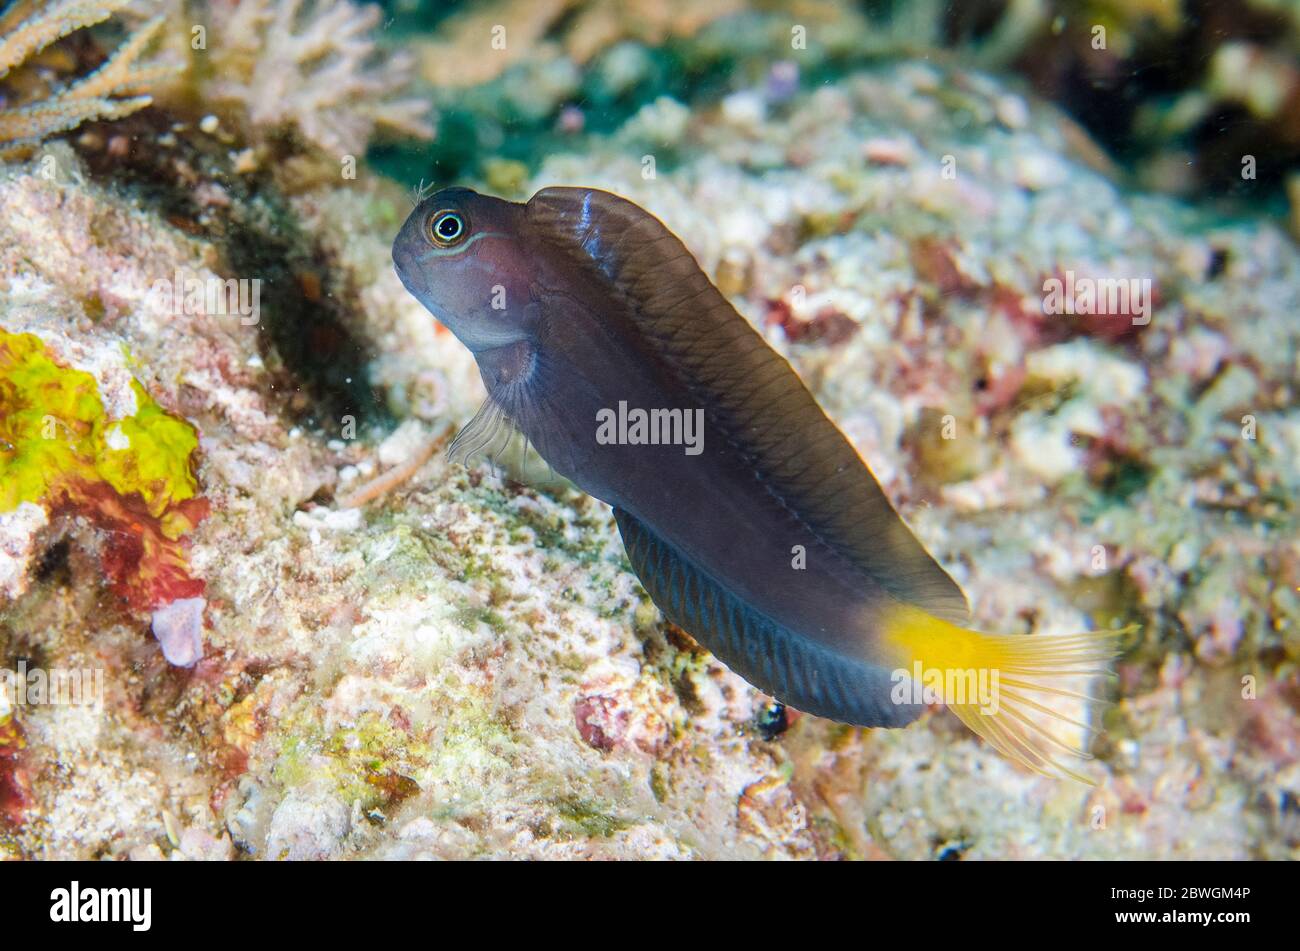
[(118, 88), (314, 67), (133, 477)]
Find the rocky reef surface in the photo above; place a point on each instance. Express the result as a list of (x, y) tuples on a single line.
[(448, 663)]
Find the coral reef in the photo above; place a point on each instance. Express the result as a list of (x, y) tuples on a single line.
[(1204, 84), (310, 66), (475, 45), (1172, 97), (289, 76), (33, 109), (406, 658)]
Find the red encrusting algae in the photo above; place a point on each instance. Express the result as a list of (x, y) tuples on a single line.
[(132, 478)]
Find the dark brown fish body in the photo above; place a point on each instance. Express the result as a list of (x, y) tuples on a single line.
[(710, 507), (773, 544)]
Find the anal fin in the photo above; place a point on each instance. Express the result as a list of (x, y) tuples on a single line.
[(781, 662)]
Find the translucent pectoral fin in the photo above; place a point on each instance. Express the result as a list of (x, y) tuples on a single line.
[(493, 437), (487, 435)]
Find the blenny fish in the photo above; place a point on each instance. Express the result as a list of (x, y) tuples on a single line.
[(771, 543)]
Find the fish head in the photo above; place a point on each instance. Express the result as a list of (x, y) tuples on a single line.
[(462, 255)]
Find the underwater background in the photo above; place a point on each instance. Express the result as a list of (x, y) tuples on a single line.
[(248, 609)]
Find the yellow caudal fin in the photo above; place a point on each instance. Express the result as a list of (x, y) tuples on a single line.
[(1027, 696)]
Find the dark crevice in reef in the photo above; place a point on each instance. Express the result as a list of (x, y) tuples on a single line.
[(303, 329), (53, 566), (303, 321)]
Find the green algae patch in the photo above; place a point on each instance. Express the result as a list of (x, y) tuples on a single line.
[(397, 558), (370, 762), (47, 420), (158, 464), (133, 477), (468, 617), (587, 818), (379, 764)]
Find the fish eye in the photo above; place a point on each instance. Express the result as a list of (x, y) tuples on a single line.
[(447, 228)]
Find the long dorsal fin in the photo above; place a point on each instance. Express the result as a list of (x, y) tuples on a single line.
[(790, 667), (748, 389)]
